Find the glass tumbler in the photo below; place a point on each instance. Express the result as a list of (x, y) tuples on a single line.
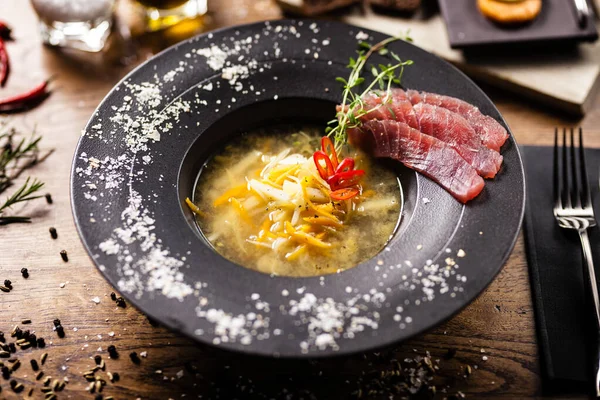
[(79, 24), (161, 14)]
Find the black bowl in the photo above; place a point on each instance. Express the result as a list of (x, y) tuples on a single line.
[(146, 143)]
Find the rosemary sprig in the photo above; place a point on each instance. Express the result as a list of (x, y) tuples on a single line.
[(17, 156), (24, 193), (384, 76)]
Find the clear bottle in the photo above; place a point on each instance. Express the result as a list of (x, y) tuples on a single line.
[(79, 24), (161, 14)]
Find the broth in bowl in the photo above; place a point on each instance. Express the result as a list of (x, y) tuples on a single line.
[(269, 202)]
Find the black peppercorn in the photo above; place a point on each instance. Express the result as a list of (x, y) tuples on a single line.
[(8, 283), (121, 302), (53, 233), (116, 376), (48, 198), (112, 351), (34, 365), (64, 256), (41, 342), (60, 331), (113, 296), (25, 273), (134, 357), (97, 359)]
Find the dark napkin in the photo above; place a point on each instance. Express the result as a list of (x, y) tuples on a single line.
[(564, 317)]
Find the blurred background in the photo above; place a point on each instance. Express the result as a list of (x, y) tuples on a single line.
[(545, 51)]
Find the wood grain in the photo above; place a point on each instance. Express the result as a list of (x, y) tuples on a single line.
[(500, 321)]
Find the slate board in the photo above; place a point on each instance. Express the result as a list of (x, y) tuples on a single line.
[(557, 22)]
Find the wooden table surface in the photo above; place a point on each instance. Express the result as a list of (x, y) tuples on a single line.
[(500, 321)]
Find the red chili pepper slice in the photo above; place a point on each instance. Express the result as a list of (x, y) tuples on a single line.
[(324, 170), (346, 179), (4, 63), (328, 148), (346, 165), (344, 194)]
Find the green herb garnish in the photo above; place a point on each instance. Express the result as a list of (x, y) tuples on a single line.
[(384, 76), (16, 157)]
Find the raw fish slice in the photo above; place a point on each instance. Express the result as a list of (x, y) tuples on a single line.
[(456, 131), (423, 153), (435, 121), (492, 134)]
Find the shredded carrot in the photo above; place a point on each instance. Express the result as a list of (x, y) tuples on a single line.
[(324, 221), (308, 239), (233, 192), (290, 171), (194, 208), (310, 203), (289, 228), (240, 208), (298, 251)]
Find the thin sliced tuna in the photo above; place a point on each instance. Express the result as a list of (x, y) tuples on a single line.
[(438, 122), (423, 153), (493, 135)]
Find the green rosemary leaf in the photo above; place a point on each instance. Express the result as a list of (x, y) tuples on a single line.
[(14, 220), (383, 51)]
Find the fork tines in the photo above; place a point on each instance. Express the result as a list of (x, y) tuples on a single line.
[(571, 187)]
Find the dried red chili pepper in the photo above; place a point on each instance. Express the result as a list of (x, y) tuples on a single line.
[(4, 63), (5, 31), (24, 100)]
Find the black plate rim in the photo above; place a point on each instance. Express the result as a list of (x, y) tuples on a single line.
[(319, 354)]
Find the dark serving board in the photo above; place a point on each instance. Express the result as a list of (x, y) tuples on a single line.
[(557, 23), (143, 147)]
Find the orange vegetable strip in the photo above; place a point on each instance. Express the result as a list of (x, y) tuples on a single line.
[(194, 208), (233, 192), (308, 239)]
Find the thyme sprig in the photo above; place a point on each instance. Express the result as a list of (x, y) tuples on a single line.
[(352, 107), (17, 156)]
